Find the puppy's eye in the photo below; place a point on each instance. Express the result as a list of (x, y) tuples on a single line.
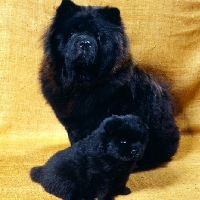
[(123, 141)]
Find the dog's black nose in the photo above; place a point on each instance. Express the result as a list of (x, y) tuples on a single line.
[(84, 44)]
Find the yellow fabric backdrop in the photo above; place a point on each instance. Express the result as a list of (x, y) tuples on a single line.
[(164, 37)]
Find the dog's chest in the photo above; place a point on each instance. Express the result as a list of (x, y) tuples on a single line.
[(99, 102)]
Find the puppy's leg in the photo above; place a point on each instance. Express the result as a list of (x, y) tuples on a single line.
[(105, 198), (78, 198), (122, 191)]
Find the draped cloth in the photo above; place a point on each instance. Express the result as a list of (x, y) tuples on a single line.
[(164, 38)]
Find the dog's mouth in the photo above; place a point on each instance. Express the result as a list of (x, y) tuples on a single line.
[(84, 61), (84, 68), (82, 52)]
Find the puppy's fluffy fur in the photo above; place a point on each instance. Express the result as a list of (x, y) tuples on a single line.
[(88, 75), (97, 166)]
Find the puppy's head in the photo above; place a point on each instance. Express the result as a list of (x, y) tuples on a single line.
[(84, 42), (126, 137)]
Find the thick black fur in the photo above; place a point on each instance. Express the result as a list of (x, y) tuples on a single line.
[(97, 166), (88, 75)]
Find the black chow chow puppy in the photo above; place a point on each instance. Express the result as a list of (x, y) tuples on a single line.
[(88, 75), (97, 166)]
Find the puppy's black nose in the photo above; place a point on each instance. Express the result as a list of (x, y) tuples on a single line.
[(135, 152), (84, 44)]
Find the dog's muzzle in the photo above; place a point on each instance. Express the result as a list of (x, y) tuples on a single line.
[(83, 50)]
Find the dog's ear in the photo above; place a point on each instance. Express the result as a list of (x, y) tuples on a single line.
[(112, 14), (67, 7)]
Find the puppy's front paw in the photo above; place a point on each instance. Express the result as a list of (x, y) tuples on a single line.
[(106, 198), (123, 191)]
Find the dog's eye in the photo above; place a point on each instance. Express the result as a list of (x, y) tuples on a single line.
[(98, 36), (73, 32), (123, 141)]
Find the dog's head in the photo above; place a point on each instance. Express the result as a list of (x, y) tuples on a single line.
[(83, 43), (126, 137)]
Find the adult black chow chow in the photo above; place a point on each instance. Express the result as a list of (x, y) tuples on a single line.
[(97, 166), (88, 75)]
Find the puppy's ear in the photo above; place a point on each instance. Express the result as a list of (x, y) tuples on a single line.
[(112, 14), (111, 125), (67, 7)]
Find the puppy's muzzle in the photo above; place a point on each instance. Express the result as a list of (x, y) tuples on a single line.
[(136, 152)]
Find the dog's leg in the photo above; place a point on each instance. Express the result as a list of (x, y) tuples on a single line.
[(163, 137), (154, 106)]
